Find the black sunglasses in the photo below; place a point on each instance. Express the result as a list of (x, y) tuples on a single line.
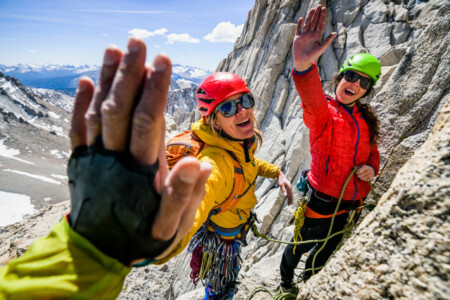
[(364, 82), (230, 108)]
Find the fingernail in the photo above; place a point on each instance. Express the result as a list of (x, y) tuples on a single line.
[(160, 64), (134, 45), (186, 176), (82, 84), (110, 58)]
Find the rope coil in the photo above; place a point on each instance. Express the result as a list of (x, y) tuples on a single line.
[(346, 232)]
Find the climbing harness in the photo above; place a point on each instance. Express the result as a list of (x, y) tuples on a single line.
[(216, 262)]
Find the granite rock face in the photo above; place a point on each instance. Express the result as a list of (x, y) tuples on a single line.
[(411, 41)]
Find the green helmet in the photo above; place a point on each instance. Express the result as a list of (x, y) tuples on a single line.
[(363, 62)]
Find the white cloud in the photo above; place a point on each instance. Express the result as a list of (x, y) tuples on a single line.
[(156, 46), (32, 51), (105, 34), (224, 32), (143, 33), (182, 37)]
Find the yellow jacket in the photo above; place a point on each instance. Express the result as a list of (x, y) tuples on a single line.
[(220, 182)]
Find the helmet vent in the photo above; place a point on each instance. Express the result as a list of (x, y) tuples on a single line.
[(208, 101), (201, 91), (203, 109)]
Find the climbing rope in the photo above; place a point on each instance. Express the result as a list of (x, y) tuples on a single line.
[(299, 214), (332, 218), (299, 220), (278, 295)]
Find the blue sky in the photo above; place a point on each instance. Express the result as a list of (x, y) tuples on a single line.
[(197, 33)]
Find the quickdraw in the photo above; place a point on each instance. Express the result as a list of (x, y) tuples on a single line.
[(215, 262)]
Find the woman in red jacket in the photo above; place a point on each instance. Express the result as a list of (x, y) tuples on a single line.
[(343, 134)]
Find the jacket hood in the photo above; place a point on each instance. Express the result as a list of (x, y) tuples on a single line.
[(207, 135)]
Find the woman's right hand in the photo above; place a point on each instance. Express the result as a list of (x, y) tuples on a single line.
[(308, 45), (127, 110)]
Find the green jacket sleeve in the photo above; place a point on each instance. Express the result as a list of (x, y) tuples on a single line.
[(62, 265)]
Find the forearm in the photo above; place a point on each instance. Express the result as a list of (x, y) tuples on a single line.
[(68, 264), (266, 169), (314, 102)]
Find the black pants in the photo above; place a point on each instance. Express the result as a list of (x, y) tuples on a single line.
[(314, 229)]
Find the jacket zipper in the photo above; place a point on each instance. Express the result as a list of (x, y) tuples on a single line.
[(356, 152)]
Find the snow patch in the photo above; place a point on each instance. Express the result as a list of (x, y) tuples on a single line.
[(13, 207), (62, 177), (39, 177), (47, 199), (184, 84), (56, 153), (11, 153), (53, 115)]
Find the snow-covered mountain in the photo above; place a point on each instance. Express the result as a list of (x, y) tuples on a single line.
[(64, 78), (34, 147)]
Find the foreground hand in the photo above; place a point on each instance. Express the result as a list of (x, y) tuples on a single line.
[(308, 45), (127, 110), (365, 173), (285, 187)]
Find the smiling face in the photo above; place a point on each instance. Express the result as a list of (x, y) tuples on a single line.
[(239, 126), (348, 92)]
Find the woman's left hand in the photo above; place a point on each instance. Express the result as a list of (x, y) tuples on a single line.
[(365, 173), (285, 187)]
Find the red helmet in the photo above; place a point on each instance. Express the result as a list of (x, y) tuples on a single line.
[(216, 88)]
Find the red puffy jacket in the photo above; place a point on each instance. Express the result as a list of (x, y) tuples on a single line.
[(339, 140)]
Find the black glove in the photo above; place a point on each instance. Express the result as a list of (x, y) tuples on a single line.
[(114, 202)]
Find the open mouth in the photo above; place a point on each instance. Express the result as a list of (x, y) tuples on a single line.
[(244, 123), (350, 92)]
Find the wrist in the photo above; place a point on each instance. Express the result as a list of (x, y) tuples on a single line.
[(302, 69)]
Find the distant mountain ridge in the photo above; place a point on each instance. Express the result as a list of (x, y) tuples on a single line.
[(64, 78)]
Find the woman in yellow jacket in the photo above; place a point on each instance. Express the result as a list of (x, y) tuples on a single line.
[(228, 129)]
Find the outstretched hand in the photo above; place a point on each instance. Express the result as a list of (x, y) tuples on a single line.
[(127, 110), (308, 45), (285, 187)]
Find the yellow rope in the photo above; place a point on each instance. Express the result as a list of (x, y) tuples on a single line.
[(299, 220), (206, 264)]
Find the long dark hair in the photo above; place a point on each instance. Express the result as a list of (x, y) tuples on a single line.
[(366, 110)]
